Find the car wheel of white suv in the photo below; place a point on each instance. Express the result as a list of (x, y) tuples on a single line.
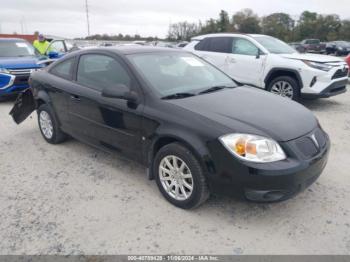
[(284, 86)]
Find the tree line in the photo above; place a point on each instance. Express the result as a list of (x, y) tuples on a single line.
[(119, 37), (281, 25)]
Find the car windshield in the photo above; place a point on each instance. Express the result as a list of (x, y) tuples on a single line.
[(16, 49), (313, 42), (179, 73), (274, 46)]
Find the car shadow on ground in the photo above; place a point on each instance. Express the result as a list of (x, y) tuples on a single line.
[(220, 206), (320, 104)]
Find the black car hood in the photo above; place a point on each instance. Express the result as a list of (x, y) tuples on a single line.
[(247, 109)]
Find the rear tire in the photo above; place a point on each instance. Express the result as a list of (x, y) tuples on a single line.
[(48, 125), (285, 86), (189, 181)]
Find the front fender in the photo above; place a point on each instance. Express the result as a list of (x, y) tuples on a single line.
[(41, 95), (193, 142)]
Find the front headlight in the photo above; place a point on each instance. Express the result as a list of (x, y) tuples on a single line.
[(4, 70), (317, 65), (253, 148)]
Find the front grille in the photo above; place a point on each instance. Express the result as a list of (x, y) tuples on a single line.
[(340, 73), (310, 148), (21, 80), (307, 147), (320, 137), (26, 71), (21, 75)]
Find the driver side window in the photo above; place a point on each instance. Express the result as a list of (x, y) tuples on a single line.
[(242, 46), (100, 71)]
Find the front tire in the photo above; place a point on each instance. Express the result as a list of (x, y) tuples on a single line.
[(285, 86), (48, 125), (180, 177)]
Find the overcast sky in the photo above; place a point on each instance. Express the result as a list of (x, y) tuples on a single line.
[(145, 17)]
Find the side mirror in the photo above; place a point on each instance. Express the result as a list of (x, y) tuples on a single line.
[(53, 54), (119, 91), (258, 54)]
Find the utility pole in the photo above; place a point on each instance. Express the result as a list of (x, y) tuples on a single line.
[(87, 16), (22, 26)]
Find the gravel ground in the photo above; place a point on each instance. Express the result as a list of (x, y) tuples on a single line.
[(74, 199)]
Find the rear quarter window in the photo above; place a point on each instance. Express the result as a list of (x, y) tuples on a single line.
[(63, 69), (215, 44)]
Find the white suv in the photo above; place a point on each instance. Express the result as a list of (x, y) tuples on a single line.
[(266, 62)]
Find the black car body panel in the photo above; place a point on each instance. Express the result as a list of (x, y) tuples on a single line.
[(139, 128), (235, 109), (257, 181)]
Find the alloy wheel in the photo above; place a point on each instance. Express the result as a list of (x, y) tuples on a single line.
[(176, 177), (283, 88), (46, 124)]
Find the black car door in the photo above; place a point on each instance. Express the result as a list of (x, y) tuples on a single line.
[(58, 85), (114, 124)]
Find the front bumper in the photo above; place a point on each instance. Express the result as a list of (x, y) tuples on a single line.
[(13, 84), (320, 84), (268, 182), (333, 89)]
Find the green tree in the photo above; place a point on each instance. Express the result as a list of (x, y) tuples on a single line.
[(209, 27), (182, 31), (223, 23), (246, 21), (344, 31), (328, 27), (306, 26), (279, 25)]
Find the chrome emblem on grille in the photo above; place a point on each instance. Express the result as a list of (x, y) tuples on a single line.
[(313, 137)]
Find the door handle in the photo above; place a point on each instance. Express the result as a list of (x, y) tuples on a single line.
[(75, 98)]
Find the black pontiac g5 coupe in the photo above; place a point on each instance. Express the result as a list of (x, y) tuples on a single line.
[(194, 128)]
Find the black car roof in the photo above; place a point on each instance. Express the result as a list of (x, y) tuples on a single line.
[(127, 50), (120, 50)]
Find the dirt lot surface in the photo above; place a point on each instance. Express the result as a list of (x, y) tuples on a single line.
[(74, 199)]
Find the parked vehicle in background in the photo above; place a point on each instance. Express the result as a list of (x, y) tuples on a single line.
[(312, 46), (266, 62), (140, 42), (181, 45), (18, 58), (165, 44), (59, 47), (296, 46), (338, 48), (184, 119)]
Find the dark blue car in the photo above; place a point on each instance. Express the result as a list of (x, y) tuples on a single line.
[(18, 59)]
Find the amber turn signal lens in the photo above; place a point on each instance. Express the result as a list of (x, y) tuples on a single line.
[(240, 147)]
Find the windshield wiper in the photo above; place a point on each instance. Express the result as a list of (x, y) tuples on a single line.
[(178, 95), (213, 89)]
